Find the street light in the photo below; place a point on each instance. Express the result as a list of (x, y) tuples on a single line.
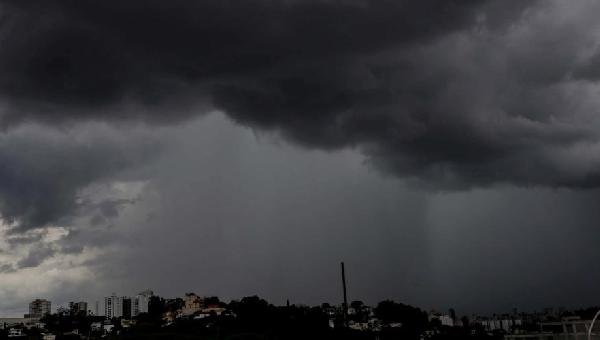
[(592, 325)]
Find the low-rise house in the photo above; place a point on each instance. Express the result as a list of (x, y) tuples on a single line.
[(213, 309), (96, 326), (171, 315), (26, 322), (566, 328), (14, 332), (359, 326), (108, 328), (192, 304), (445, 320)]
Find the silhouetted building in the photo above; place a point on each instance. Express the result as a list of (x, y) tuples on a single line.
[(39, 307), (126, 307)]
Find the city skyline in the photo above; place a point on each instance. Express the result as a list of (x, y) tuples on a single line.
[(204, 317), (193, 303)]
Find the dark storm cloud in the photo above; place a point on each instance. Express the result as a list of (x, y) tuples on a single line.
[(88, 54), (454, 94), (92, 53), (448, 94), (295, 66)]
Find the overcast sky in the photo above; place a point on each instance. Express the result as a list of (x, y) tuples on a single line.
[(447, 151)]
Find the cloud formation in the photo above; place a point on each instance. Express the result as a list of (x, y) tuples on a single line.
[(449, 94), (43, 171), (84, 53)]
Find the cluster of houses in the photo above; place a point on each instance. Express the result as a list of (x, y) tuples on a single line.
[(194, 306), (547, 325)]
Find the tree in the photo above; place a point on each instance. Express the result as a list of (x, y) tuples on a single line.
[(156, 307), (212, 300), (360, 314), (357, 304), (414, 321)]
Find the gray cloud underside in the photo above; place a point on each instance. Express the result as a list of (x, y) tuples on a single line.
[(42, 171), (456, 93)]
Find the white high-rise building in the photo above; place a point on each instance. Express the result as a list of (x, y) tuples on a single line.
[(141, 301), (113, 306)]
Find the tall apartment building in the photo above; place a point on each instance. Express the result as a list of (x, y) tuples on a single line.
[(113, 306), (127, 307), (39, 307), (141, 301)]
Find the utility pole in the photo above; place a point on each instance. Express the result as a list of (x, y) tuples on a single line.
[(345, 305)]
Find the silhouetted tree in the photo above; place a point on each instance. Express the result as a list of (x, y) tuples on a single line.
[(413, 320), (212, 300), (156, 307)]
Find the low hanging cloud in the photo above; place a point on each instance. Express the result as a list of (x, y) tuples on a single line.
[(450, 94), (43, 171), (36, 256)]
